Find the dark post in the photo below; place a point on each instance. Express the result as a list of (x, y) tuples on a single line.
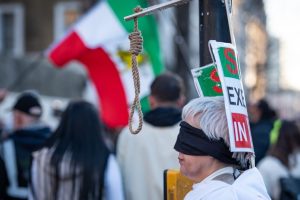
[(181, 41), (213, 26)]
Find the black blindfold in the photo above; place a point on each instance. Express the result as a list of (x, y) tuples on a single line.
[(193, 141)]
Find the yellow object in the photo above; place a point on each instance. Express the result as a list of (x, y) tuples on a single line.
[(176, 186), (125, 57)]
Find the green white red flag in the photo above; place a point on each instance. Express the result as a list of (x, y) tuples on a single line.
[(99, 40)]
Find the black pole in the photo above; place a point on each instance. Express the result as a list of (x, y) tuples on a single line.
[(213, 26), (181, 41)]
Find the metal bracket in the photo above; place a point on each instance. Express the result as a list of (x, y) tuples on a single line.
[(159, 7)]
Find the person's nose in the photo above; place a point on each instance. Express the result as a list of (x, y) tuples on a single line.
[(180, 155)]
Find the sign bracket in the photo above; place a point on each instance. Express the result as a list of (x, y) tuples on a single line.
[(155, 8)]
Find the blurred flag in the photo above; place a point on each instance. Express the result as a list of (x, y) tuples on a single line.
[(100, 42)]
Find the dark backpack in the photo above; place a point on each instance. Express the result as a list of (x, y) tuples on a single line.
[(290, 188), (3, 180)]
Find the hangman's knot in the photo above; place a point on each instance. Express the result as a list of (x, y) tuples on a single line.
[(136, 43)]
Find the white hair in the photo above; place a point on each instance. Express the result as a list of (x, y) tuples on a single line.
[(208, 114)]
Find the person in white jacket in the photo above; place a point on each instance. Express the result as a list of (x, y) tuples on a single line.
[(144, 157), (205, 158)]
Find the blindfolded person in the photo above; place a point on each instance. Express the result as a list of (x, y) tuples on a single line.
[(205, 157)]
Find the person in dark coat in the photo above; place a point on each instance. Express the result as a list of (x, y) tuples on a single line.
[(3, 180), (29, 134), (262, 118)]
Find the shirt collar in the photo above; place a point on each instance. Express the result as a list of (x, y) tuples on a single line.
[(225, 170)]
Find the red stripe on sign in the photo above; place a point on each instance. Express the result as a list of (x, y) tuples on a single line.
[(242, 137)]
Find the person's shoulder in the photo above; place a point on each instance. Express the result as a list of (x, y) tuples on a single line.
[(125, 133), (295, 170), (40, 128), (227, 192), (210, 190), (249, 177), (222, 191), (250, 185), (159, 130), (40, 154), (32, 131), (268, 161)]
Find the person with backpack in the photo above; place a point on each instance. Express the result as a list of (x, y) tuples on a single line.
[(283, 159)]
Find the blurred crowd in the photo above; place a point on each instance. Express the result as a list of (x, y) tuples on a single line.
[(83, 159), (277, 145)]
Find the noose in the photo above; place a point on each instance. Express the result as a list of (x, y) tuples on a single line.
[(136, 47)]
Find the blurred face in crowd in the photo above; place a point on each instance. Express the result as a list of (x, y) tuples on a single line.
[(254, 113), (22, 120)]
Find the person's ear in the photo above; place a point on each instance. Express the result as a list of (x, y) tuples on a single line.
[(18, 119), (181, 101), (152, 102)]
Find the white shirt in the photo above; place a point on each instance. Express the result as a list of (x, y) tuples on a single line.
[(248, 186)]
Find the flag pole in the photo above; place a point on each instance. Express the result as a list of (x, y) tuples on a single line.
[(154, 8)]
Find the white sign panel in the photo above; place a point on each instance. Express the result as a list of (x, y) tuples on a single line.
[(225, 57)]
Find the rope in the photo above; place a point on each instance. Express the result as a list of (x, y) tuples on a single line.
[(136, 47)]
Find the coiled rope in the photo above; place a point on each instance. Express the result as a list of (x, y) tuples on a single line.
[(136, 47)]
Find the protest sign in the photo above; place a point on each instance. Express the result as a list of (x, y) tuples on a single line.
[(207, 81), (225, 57)]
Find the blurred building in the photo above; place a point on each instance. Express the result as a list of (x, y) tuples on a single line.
[(35, 22), (27, 28), (277, 93), (30, 26), (249, 19), (273, 65)]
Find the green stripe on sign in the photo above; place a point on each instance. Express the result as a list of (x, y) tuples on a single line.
[(207, 81), (146, 24), (229, 62)]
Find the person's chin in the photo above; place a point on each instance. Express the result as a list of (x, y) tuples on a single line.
[(183, 171)]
